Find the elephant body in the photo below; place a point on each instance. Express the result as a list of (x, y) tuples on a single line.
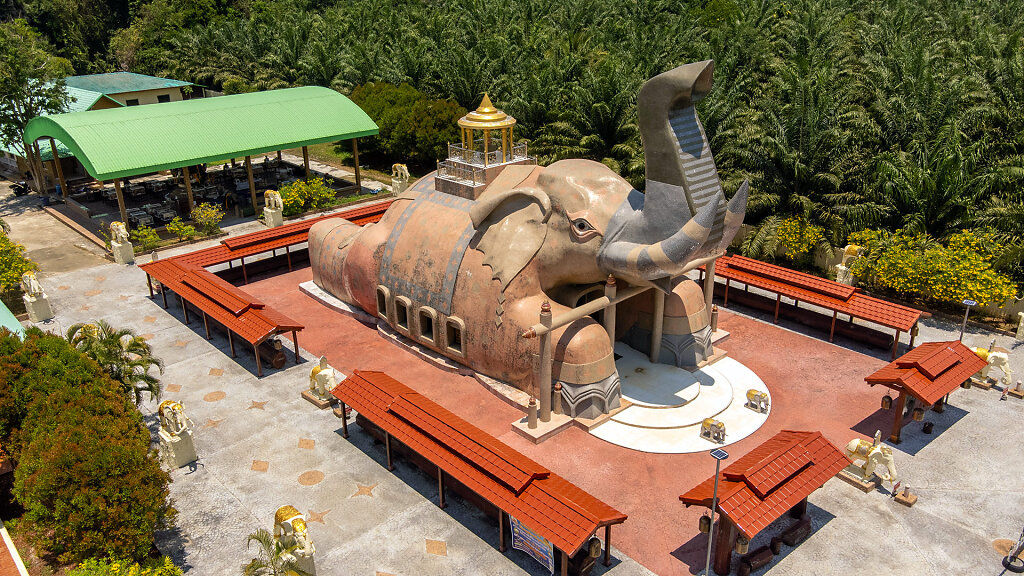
[(290, 530), (996, 358), (466, 276), (873, 454)]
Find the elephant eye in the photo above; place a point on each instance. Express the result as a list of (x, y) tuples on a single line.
[(582, 225)]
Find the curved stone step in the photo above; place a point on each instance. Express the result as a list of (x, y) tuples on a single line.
[(716, 394), (656, 385), (739, 420)]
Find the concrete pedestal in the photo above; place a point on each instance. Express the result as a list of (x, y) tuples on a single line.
[(124, 253), (321, 402), (177, 450), (852, 476), (273, 217), (38, 307), (306, 565)]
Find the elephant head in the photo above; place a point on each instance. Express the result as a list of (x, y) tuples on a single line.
[(580, 222), (290, 529), (172, 417), (883, 456)]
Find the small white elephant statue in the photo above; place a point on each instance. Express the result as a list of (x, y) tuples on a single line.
[(873, 453), (173, 418), (118, 232), (30, 284), (272, 200), (322, 379), (757, 400), (996, 358), (290, 530), (713, 430)]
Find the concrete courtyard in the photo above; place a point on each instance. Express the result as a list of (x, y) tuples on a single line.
[(261, 447)]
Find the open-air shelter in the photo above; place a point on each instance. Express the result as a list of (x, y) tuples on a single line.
[(765, 483), (117, 143), (925, 376)]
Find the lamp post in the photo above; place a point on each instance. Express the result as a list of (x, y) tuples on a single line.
[(967, 310), (718, 455)]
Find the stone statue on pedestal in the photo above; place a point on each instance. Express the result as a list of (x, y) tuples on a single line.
[(872, 454), (120, 245), (290, 531), (176, 434), (36, 303), (399, 178), (843, 274), (322, 379), (273, 210)]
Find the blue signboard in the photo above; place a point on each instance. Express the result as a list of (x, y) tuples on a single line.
[(533, 544)]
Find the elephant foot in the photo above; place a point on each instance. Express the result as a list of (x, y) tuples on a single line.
[(682, 350), (592, 400)]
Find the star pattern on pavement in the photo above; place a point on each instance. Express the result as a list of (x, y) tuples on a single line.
[(364, 490), (258, 405), (312, 516), (181, 343), (210, 423)]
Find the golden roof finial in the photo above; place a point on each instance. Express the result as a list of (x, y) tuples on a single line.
[(486, 117)]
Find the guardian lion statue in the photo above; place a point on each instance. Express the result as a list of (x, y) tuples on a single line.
[(872, 454)]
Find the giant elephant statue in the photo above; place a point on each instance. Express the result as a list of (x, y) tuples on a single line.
[(466, 278)]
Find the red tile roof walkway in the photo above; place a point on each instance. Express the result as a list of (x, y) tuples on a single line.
[(236, 310), (769, 480), (550, 505)]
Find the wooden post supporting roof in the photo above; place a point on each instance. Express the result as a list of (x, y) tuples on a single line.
[(897, 425), (355, 160), (188, 188), (120, 201), (725, 539), (252, 185), (59, 169), (305, 160)]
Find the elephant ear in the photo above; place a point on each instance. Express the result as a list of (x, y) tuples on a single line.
[(510, 229)]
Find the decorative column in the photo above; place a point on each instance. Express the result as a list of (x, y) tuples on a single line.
[(657, 324), (609, 312), (544, 370)]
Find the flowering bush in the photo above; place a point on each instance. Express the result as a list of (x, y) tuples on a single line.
[(145, 238), (303, 195), (13, 263), (156, 567), (799, 238), (180, 229), (916, 265), (207, 217)]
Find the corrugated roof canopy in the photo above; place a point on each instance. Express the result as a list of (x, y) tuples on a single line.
[(135, 140), (121, 82)]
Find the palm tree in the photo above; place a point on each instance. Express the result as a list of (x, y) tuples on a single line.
[(273, 560), (125, 357)]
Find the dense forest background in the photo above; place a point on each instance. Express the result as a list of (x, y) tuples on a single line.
[(905, 116)]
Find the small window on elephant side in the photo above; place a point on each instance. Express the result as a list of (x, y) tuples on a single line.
[(454, 336), (382, 303), (401, 314), (426, 326)]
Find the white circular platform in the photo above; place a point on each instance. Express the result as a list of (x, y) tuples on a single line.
[(670, 403)]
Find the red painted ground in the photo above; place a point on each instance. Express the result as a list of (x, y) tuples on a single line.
[(814, 385)]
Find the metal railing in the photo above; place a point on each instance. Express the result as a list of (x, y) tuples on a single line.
[(493, 157), (460, 172)]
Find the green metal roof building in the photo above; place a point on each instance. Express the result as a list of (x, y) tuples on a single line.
[(119, 142), (121, 82)]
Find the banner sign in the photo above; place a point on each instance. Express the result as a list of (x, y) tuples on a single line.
[(533, 544)]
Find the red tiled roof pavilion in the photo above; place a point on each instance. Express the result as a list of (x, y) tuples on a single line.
[(927, 373), (763, 484), (548, 504)]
